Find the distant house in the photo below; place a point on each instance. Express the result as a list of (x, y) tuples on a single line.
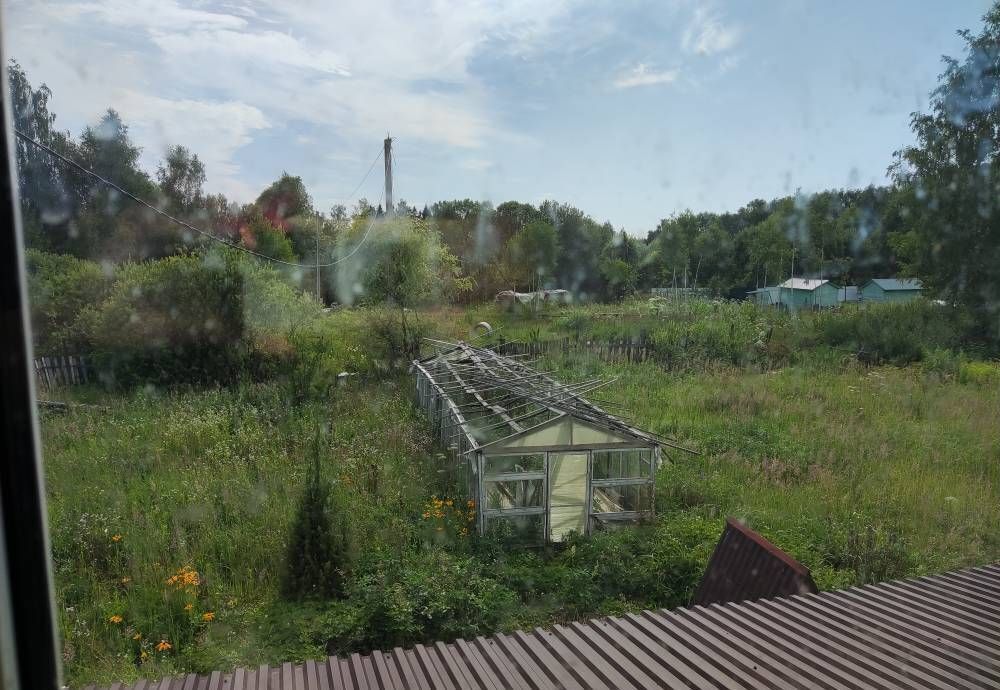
[(891, 290), (799, 293), (848, 293), (805, 293)]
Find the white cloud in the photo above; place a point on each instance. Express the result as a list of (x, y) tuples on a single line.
[(146, 13), (213, 130), (707, 34), (643, 75), (211, 75), (271, 48)]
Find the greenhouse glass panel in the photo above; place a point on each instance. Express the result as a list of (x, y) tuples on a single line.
[(623, 464), (633, 498), (516, 529), (515, 464), (510, 495)]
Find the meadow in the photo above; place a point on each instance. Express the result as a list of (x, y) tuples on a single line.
[(867, 451)]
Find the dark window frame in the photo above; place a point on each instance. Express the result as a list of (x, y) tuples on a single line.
[(28, 648)]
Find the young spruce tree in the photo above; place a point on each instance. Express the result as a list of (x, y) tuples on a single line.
[(319, 549)]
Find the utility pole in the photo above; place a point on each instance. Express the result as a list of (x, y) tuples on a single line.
[(387, 157), (319, 295)]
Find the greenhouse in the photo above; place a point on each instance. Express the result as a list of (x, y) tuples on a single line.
[(539, 460)]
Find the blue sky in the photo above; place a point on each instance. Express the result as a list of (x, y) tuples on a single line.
[(631, 111)]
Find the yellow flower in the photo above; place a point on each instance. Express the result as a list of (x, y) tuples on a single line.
[(188, 607), (116, 537), (448, 503), (116, 619), (144, 655), (163, 646), (137, 636), (126, 580), (208, 616)]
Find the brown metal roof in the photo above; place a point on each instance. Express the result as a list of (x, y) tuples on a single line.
[(930, 632), (745, 566)]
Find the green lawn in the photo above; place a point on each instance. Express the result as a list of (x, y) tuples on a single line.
[(861, 473)]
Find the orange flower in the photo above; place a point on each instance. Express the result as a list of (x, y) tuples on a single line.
[(116, 619), (163, 646), (116, 537), (208, 616)]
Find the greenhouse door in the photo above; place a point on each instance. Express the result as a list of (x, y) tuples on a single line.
[(567, 494)]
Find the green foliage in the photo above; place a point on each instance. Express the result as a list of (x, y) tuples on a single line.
[(179, 319), (64, 294), (534, 250), (430, 595), (898, 333), (953, 170), (318, 556)]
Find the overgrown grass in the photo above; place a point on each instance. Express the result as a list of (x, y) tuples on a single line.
[(863, 473)]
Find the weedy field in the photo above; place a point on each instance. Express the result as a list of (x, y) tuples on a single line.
[(170, 510)]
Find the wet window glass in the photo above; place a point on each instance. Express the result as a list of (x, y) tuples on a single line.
[(365, 325)]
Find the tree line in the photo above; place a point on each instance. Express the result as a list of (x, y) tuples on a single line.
[(937, 219)]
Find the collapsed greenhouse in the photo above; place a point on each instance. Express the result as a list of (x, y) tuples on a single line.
[(539, 460)]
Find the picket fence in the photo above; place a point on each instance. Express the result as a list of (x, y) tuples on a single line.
[(65, 370)]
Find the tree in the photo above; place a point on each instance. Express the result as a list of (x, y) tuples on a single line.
[(319, 546), (284, 201), (181, 176), (954, 169), (260, 235), (46, 198), (535, 250)]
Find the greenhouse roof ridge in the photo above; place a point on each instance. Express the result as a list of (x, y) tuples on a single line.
[(534, 398)]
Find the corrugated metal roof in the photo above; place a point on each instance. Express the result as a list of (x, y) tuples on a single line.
[(897, 283), (745, 566), (930, 632), (803, 283)]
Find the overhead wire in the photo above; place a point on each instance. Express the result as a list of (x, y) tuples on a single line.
[(142, 202)]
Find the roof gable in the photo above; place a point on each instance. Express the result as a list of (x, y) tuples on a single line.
[(890, 284)]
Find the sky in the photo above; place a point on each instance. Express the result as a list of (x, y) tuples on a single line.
[(629, 110)]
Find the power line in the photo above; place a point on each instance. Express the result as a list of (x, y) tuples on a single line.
[(209, 235), (363, 179)]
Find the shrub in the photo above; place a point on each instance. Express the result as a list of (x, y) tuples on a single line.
[(63, 291), (427, 596), (174, 320), (318, 550), (896, 333), (983, 373)]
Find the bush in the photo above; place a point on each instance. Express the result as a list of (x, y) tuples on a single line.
[(63, 291), (175, 320), (895, 333), (427, 596), (398, 336), (318, 551)]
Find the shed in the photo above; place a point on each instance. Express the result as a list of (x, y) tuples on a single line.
[(891, 290), (538, 459), (798, 293)]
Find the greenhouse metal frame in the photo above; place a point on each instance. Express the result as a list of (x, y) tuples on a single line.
[(539, 459)]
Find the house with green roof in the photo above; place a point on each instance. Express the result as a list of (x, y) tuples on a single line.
[(891, 290)]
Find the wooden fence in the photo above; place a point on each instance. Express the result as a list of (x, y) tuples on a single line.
[(618, 350), (66, 370)]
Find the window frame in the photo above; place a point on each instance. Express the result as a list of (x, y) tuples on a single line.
[(29, 655)]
